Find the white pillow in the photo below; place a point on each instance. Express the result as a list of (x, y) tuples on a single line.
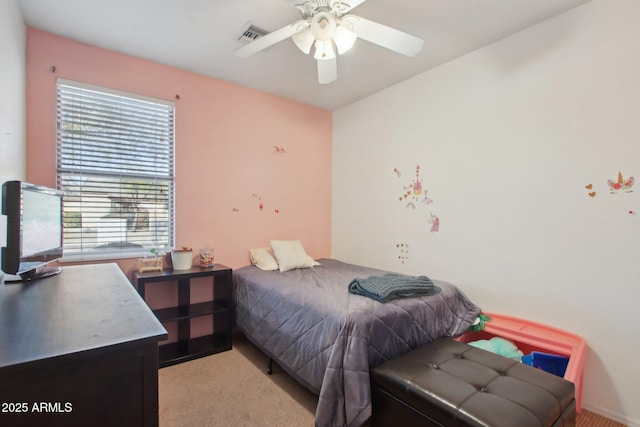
[(263, 259), (290, 255)]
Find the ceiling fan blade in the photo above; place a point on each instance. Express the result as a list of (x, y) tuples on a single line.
[(270, 39), (295, 2), (327, 70), (384, 36)]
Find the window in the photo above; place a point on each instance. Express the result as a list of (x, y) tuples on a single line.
[(115, 165)]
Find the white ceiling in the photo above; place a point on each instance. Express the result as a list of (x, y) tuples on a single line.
[(201, 35)]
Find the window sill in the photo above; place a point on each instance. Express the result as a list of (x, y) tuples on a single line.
[(103, 256)]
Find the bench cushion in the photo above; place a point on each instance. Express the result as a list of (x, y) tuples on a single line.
[(450, 383)]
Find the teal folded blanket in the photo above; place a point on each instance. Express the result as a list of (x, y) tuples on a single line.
[(392, 286)]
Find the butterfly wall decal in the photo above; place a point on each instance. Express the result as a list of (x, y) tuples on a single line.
[(621, 184)]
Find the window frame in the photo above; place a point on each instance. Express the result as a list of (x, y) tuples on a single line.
[(87, 254)]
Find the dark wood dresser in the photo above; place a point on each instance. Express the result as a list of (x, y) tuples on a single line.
[(78, 349)]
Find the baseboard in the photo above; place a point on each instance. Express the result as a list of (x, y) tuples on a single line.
[(611, 415)]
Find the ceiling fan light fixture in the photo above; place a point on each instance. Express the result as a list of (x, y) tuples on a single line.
[(344, 39), (323, 25), (304, 40), (324, 50)]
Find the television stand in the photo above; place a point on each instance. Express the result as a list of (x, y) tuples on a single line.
[(31, 275)]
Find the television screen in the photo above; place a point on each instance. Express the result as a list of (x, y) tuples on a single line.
[(34, 229), (41, 222)]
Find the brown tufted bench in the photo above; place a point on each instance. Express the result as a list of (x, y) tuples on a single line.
[(449, 383)]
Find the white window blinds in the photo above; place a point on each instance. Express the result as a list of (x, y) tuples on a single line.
[(115, 157)]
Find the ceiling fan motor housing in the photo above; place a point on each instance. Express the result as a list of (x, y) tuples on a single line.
[(309, 8)]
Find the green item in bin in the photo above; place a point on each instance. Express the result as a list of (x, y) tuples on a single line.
[(500, 346), (478, 324)]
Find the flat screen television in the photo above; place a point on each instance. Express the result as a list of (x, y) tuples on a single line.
[(34, 230)]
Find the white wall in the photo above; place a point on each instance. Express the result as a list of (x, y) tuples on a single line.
[(507, 138), (12, 102)]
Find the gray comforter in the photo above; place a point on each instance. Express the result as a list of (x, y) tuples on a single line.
[(328, 339)]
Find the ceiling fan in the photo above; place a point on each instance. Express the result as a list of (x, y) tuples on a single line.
[(327, 25)]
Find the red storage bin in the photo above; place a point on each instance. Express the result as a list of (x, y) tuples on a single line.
[(530, 336)]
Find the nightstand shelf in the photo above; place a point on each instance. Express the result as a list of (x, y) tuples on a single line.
[(185, 347), (188, 311), (183, 351)]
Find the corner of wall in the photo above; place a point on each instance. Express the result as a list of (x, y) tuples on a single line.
[(13, 40)]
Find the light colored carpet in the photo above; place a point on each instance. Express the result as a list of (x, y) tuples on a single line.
[(232, 389)]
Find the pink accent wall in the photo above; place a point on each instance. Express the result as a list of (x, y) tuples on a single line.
[(225, 138)]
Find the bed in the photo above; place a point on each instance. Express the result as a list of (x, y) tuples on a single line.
[(328, 339)]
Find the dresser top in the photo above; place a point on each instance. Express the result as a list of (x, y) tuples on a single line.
[(84, 308)]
